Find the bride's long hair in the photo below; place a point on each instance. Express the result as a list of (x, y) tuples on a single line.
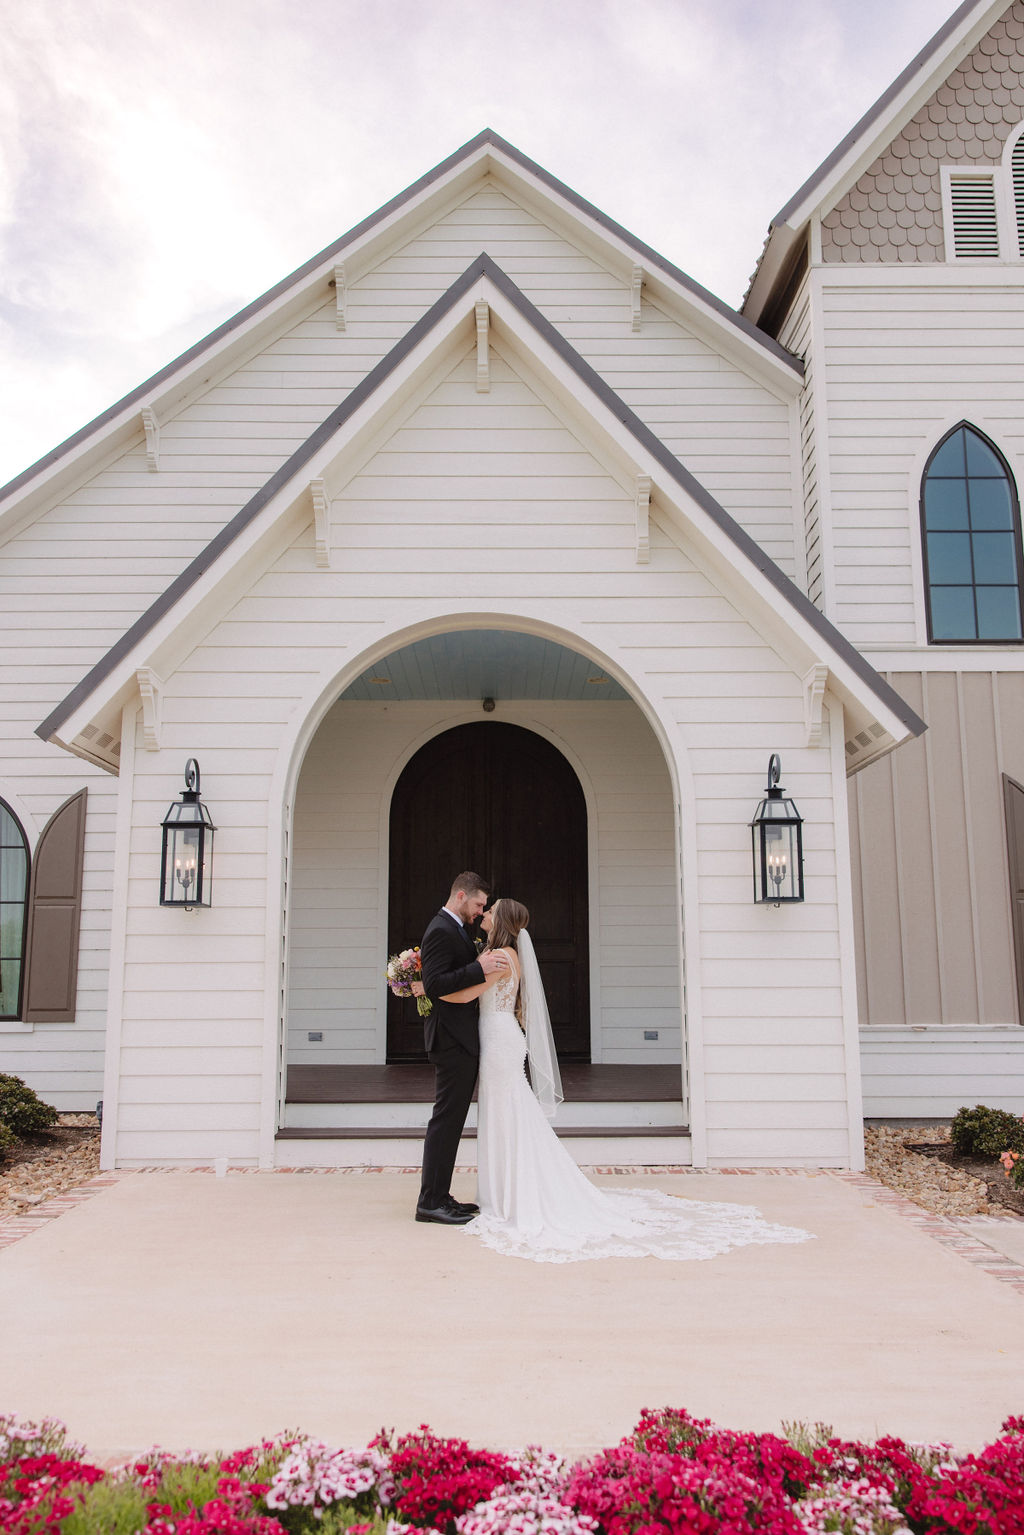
[(508, 918)]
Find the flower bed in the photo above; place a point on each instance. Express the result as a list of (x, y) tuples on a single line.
[(674, 1475)]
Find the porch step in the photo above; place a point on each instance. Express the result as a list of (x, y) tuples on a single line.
[(412, 1132), (337, 1146), (410, 1117)]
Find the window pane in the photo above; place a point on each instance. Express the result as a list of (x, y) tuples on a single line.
[(998, 613), (949, 557), (991, 504), (950, 457), (953, 613), (13, 874), (10, 836), (945, 503), (12, 927), (980, 458), (995, 561), (10, 979)]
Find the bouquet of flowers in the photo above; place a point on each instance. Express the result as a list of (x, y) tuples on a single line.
[(402, 970)]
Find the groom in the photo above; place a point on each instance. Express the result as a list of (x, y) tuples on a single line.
[(450, 963)]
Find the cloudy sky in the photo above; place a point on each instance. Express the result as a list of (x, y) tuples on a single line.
[(162, 164)]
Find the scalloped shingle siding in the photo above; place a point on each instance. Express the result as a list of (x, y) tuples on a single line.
[(894, 213)]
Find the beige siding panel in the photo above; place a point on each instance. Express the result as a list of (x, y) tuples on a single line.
[(929, 844), (883, 999)]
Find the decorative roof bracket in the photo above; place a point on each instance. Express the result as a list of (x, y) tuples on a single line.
[(151, 426), (643, 519), (340, 298), (321, 523), (635, 290), (151, 693), (815, 682), (483, 352)]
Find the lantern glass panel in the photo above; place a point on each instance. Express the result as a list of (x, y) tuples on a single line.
[(187, 858), (777, 861)]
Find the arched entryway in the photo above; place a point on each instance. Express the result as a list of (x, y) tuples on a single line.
[(502, 800)]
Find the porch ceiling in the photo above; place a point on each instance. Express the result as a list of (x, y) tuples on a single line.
[(484, 663)]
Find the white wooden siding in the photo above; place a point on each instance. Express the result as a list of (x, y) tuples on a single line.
[(339, 900), (902, 366), (798, 335), (546, 534), (924, 1073)]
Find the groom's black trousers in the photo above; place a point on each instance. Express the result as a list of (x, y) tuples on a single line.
[(456, 1071)]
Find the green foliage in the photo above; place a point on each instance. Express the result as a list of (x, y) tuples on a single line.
[(986, 1132), (114, 1506), (187, 1484), (21, 1110), (807, 1437), (340, 1518), (329, 1521), (7, 1139)]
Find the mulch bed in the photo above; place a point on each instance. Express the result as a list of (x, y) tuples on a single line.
[(1000, 1190)]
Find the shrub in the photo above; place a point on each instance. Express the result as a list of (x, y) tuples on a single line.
[(21, 1110), (986, 1132)]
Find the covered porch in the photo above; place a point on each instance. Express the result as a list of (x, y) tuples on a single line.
[(376, 1115), (510, 753)]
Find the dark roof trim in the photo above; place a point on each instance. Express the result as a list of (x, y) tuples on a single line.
[(487, 137), (482, 267), (873, 113), (652, 257)]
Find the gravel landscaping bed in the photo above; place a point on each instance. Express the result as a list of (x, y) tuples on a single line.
[(49, 1162)]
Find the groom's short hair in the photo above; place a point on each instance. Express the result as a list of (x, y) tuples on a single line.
[(470, 883)]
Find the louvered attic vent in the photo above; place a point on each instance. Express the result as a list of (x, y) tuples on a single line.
[(975, 226), (1018, 191)]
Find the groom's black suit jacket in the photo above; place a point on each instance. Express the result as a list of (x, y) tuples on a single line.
[(449, 960)]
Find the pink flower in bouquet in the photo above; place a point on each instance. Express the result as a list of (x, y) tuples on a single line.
[(403, 971)]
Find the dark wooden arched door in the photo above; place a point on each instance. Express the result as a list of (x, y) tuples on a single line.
[(502, 801)]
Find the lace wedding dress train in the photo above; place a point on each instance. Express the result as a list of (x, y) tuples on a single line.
[(536, 1203)]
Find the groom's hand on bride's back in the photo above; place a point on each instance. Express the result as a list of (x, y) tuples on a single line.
[(491, 961)]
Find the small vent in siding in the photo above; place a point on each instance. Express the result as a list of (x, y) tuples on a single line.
[(1018, 191), (973, 200)]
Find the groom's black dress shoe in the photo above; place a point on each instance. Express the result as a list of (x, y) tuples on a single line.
[(448, 1213), (455, 1204)]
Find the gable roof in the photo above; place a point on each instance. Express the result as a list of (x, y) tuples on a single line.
[(112, 678), (486, 153), (863, 144)]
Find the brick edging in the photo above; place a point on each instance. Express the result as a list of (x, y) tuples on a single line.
[(14, 1227), (941, 1228)]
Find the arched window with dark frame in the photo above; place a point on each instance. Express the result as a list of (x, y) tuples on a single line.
[(13, 911), (971, 540)]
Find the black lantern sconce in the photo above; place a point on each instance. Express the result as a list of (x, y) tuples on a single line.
[(777, 832), (186, 862)]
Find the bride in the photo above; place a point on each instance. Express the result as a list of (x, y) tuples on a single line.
[(534, 1200)]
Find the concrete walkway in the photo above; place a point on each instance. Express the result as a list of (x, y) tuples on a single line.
[(180, 1309)]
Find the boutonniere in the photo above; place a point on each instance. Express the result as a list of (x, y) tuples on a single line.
[(478, 944)]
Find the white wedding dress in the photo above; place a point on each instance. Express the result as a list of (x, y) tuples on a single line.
[(536, 1203)]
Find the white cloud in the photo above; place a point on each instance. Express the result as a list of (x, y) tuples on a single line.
[(165, 164)]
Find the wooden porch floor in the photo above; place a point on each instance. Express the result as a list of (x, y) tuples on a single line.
[(414, 1083)]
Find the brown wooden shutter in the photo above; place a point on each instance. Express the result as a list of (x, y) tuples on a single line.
[(54, 916), (1013, 799)]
